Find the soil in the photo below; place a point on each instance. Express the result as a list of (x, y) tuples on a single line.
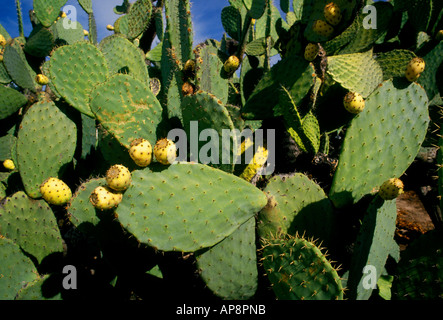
[(412, 219)]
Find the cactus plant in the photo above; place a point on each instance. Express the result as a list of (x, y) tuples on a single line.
[(325, 105)]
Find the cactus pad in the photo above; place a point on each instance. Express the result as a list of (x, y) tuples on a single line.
[(75, 87), (390, 131), (298, 270), (187, 206), (296, 204), (31, 224), (16, 269), (45, 144), (127, 108), (229, 268)]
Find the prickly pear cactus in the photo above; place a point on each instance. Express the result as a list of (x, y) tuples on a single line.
[(261, 150)]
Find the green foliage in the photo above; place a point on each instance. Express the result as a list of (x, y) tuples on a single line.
[(224, 225)]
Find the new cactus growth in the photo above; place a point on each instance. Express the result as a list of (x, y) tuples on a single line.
[(104, 198), (354, 102), (165, 151), (414, 69), (118, 177), (141, 152), (55, 191), (391, 189)]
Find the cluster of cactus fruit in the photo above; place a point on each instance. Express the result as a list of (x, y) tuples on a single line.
[(347, 109)]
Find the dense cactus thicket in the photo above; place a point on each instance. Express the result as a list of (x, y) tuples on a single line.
[(105, 191)]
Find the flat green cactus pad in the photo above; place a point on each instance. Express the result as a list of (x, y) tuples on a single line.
[(206, 111), (74, 86), (373, 245), (298, 270), (46, 142), (357, 72), (16, 269), (31, 224), (296, 204), (381, 141), (11, 101), (124, 57), (187, 206), (127, 108), (229, 268), (47, 11)]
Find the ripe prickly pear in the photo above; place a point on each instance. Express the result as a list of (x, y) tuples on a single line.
[(231, 64), (41, 79), (415, 67), (2, 40), (354, 102), (165, 151), (118, 177), (140, 151), (55, 191), (322, 28), (187, 89), (311, 51), (391, 189), (332, 14), (9, 164), (104, 198)]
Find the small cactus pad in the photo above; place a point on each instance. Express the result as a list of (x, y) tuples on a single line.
[(165, 151), (140, 151), (124, 57), (118, 177), (132, 103), (229, 268), (45, 144), (47, 11), (187, 207), (31, 224), (391, 189), (298, 270), (55, 191), (296, 204), (104, 198), (16, 269), (81, 211), (390, 130), (208, 112), (374, 243), (357, 72), (11, 101), (75, 87)]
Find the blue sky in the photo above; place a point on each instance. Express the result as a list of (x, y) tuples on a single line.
[(205, 13)]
